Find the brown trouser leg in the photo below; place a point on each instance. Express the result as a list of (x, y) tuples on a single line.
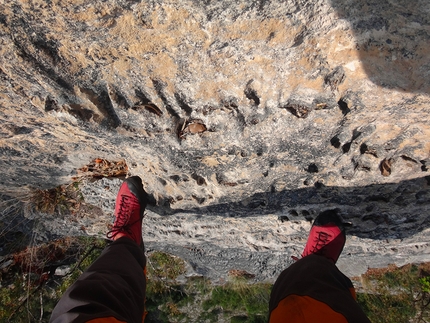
[(314, 290), (113, 287)]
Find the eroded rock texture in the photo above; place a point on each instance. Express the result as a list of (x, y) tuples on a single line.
[(227, 108)]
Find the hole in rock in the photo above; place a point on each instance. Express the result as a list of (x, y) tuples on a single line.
[(335, 142), (343, 106), (346, 147), (312, 168)]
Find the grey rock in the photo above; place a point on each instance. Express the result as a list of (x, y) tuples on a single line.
[(301, 106), (62, 270)]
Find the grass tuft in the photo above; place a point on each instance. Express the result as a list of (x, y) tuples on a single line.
[(393, 294), (61, 199), (30, 290)]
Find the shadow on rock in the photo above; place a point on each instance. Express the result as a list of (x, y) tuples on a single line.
[(15, 228), (393, 41), (380, 211)]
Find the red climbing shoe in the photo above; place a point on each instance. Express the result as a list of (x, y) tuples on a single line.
[(130, 204), (327, 236)]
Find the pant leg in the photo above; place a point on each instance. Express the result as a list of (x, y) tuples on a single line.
[(314, 290), (113, 288)]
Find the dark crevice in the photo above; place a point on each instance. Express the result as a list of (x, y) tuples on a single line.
[(355, 134), (293, 213), (122, 99), (312, 168), (239, 116), (283, 218), (335, 142), (162, 181), (252, 95), (407, 158), (299, 38), (199, 200), (80, 112), (175, 178), (365, 149), (199, 179), (299, 110), (343, 106), (49, 47), (142, 96), (103, 102), (271, 36), (319, 184), (182, 104), (3, 20), (159, 88), (346, 147), (51, 104)]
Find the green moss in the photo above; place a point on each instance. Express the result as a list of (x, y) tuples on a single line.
[(163, 265), (239, 296), (239, 319), (425, 284), (395, 295), (211, 316), (386, 308), (164, 296)]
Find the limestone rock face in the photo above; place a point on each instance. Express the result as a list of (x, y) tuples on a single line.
[(275, 109)]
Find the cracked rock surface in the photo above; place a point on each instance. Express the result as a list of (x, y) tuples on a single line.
[(245, 119)]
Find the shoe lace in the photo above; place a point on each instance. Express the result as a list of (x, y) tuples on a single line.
[(320, 241), (123, 216)]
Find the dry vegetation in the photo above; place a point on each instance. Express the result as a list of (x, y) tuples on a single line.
[(396, 294)]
